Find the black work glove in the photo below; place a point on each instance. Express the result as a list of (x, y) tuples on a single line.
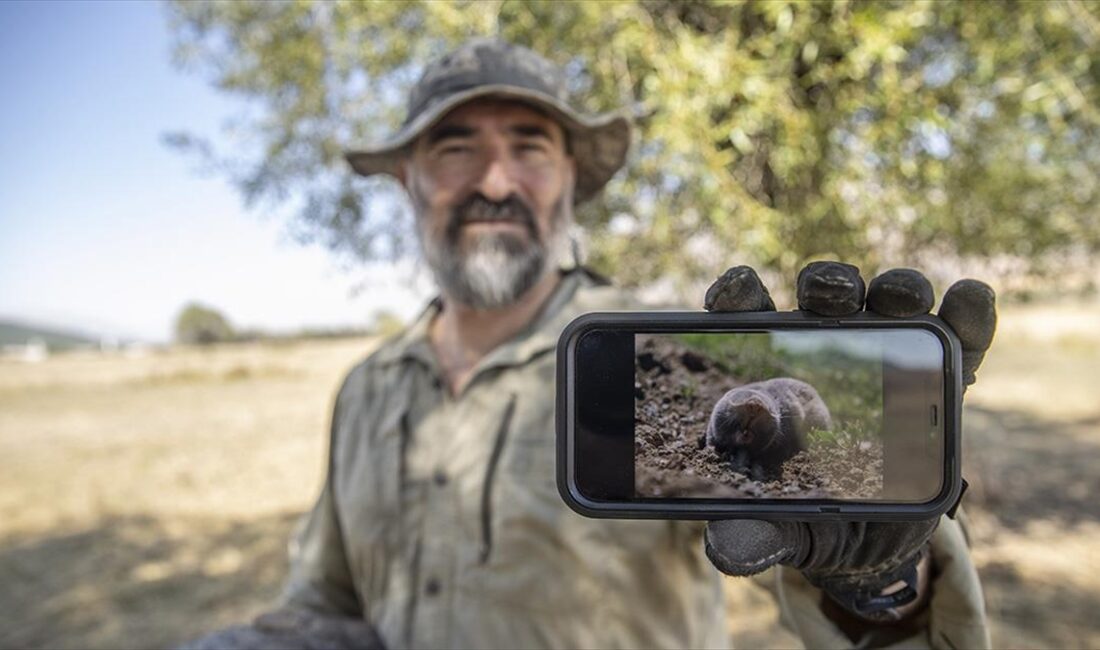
[(853, 562)]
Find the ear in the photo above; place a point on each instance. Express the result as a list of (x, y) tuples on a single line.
[(570, 180), (402, 173)]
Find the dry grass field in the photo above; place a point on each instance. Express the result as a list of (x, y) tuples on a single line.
[(145, 499)]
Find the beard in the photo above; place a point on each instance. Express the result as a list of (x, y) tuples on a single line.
[(494, 269)]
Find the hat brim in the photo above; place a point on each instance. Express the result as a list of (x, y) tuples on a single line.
[(599, 143)]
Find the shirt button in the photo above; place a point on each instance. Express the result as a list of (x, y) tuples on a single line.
[(440, 477), (432, 587)]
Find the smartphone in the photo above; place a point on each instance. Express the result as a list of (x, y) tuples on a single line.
[(775, 415)]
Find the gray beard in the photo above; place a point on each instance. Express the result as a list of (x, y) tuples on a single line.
[(496, 269)]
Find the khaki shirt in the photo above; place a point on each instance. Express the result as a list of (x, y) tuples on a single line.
[(440, 521)]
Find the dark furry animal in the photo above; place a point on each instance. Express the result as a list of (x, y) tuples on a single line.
[(759, 426)]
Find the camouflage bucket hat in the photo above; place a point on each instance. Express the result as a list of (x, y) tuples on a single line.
[(492, 68)]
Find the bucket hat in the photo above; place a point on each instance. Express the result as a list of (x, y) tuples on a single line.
[(492, 68)]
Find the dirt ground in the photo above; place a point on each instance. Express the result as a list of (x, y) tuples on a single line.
[(674, 391), (147, 498)]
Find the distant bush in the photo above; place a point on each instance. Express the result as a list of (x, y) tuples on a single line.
[(387, 323), (202, 325)]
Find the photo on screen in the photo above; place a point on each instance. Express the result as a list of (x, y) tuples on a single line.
[(787, 415)]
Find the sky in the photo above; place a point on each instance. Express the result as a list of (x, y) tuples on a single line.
[(105, 229)]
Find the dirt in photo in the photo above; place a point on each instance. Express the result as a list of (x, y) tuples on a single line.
[(728, 416)]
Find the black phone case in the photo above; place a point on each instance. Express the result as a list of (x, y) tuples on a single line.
[(673, 321)]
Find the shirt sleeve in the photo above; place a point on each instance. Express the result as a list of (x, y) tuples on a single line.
[(320, 578), (955, 616)]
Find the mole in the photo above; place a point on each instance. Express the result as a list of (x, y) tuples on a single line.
[(759, 426)]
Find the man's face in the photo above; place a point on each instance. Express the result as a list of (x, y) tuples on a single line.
[(492, 187)]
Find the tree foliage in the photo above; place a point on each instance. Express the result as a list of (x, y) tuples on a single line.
[(770, 133), (201, 325)]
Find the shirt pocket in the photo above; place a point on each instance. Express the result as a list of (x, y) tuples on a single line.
[(526, 508), (528, 496), (538, 563), (529, 461)]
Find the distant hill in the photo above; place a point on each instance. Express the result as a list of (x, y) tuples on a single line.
[(14, 333)]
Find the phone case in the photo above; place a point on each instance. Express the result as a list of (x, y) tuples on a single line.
[(774, 509)]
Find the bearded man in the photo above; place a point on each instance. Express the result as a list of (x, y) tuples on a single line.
[(439, 523)]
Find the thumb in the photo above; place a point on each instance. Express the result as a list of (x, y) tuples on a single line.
[(970, 308), (745, 547)]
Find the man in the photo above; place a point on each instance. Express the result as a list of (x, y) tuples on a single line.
[(440, 525)]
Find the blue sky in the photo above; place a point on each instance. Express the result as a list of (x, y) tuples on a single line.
[(105, 229)]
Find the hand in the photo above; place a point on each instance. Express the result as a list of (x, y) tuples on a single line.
[(853, 562)]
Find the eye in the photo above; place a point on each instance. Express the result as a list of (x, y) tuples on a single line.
[(531, 147), (454, 149)]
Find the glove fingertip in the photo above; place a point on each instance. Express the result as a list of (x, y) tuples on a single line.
[(900, 293), (970, 308), (738, 289), (830, 288)]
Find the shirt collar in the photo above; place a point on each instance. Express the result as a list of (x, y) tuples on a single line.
[(540, 335)]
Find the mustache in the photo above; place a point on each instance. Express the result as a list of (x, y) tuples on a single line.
[(479, 208)]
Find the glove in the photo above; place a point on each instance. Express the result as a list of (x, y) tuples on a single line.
[(853, 562)]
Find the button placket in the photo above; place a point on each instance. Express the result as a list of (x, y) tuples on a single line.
[(439, 528)]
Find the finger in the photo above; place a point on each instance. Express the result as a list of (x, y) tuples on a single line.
[(745, 547), (738, 289), (900, 292), (830, 289), (970, 308)]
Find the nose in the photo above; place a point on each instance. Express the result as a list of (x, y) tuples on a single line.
[(496, 182)]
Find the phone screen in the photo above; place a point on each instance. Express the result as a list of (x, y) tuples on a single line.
[(810, 414)]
